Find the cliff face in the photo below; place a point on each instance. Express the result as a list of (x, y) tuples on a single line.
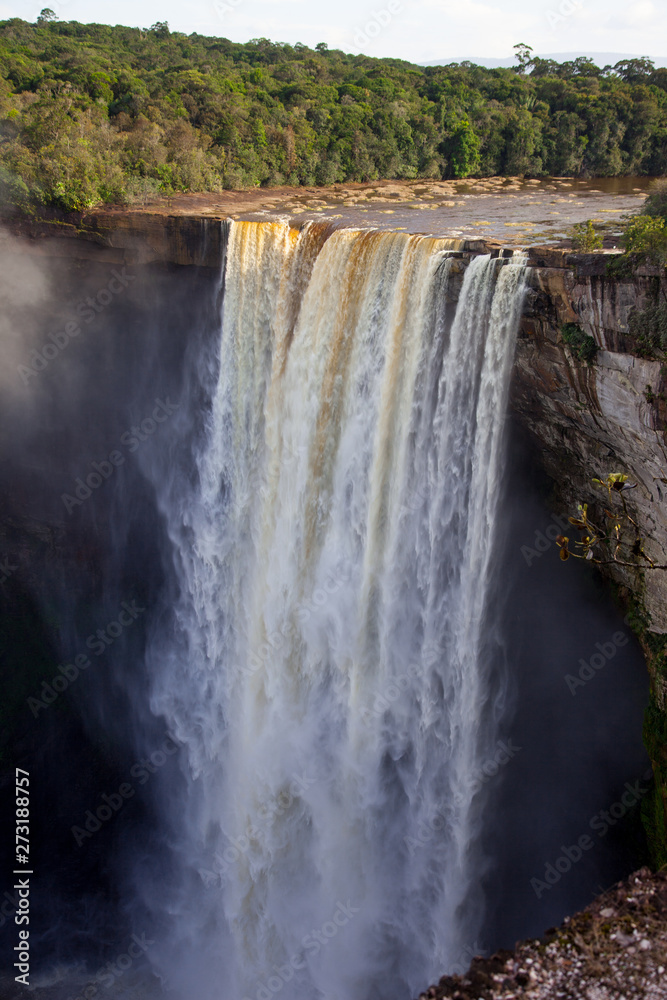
[(123, 237), (592, 419)]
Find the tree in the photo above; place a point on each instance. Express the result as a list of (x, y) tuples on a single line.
[(264, 111), (635, 70), (585, 238), (46, 16), (647, 235), (463, 149), (656, 203), (160, 29), (524, 57)]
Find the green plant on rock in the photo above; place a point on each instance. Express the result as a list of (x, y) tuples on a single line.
[(648, 328), (581, 344), (652, 397), (619, 542), (646, 236), (656, 203), (620, 266), (585, 238)]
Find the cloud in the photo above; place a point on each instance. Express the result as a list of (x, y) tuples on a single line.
[(424, 29), (637, 15)]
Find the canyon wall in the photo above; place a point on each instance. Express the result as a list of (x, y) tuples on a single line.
[(592, 418), (605, 415)]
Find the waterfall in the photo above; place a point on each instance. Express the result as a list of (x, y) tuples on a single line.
[(330, 669)]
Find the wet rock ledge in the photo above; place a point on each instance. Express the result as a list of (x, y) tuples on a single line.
[(615, 949)]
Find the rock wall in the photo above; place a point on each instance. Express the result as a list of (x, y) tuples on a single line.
[(592, 419), (123, 237)]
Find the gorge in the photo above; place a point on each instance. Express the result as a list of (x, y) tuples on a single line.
[(298, 450)]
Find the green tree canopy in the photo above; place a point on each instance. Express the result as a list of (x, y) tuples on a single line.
[(92, 113)]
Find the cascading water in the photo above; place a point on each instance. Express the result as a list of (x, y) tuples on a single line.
[(332, 671)]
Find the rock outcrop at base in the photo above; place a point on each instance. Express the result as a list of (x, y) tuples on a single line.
[(615, 949)]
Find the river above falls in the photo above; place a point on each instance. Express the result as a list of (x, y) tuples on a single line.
[(512, 210)]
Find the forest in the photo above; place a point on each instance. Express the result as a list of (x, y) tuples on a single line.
[(93, 114)]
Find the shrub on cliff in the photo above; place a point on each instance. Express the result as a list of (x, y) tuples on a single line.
[(581, 344), (646, 235), (585, 238), (648, 327), (656, 203)]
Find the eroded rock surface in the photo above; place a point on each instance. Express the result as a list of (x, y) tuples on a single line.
[(591, 419)]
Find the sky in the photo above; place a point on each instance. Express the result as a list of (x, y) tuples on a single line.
[(417, 30)]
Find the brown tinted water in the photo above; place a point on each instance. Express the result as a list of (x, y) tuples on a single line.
[(512, 210)]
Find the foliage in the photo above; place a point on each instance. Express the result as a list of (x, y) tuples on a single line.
[(463, 150), (619, 541), (648, 328), (92, 113), (524, 56), (585, 238), (656, 203), (646, 235), (582, 345), (621, 266)]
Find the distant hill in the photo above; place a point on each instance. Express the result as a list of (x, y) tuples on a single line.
[(599, 58)]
